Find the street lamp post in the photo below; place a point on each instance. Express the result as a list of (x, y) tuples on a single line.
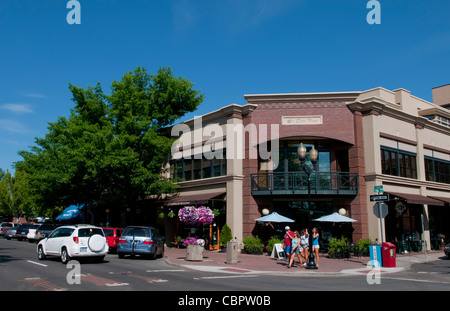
[(309, 168)]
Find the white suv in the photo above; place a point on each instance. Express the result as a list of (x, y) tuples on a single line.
[(74, 241)]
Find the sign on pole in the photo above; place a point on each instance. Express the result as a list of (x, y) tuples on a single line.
[(379, 197)]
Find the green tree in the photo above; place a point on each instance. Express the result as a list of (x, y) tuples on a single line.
[(111, 148), (14, 198)]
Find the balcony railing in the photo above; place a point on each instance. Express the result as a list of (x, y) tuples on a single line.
[(288, 183)]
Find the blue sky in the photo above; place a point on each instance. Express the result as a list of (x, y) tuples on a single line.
[(227, 48)]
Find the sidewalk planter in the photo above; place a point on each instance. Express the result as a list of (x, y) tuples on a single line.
[(194, 253)]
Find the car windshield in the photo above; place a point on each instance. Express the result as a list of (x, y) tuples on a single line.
[(108, 232), (136, 231), (88, 232)]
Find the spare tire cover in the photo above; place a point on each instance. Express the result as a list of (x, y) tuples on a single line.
[(96, 243)]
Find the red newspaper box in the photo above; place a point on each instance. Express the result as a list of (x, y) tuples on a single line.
[(388, 254)]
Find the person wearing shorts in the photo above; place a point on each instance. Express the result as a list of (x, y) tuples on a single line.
[(315, 245), (296, 250), (288, 236)]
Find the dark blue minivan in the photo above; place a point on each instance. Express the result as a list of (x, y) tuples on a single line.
[(139, 240)]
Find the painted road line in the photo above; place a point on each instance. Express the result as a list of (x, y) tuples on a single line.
[(99, 281), (165, 270), (225, 277), (37, 263)]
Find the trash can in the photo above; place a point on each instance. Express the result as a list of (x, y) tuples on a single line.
[(375, 255), (388, 255)]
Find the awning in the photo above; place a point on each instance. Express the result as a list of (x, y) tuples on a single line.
[(416, 199), (192, 199), (70, 212), (442, 199)]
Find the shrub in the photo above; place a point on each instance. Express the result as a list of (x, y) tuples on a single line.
[(363, 246), (336, 247), (253, 245), (271, 243), (225, 235)]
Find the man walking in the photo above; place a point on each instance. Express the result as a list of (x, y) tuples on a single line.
[(288, 236)]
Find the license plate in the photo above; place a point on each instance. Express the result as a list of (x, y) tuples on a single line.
[(83, 249)]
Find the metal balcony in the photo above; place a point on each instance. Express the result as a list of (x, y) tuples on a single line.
[(296, 183)]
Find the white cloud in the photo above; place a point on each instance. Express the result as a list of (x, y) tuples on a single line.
[(17, 108), (13, 126), (34, 95)]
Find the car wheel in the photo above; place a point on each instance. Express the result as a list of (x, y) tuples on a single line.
[(65, 258), (41, 254)]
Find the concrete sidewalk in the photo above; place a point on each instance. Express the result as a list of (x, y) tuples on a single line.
[(215, 261)]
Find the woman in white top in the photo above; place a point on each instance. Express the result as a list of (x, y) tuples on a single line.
[(296, 249), (304, 244)]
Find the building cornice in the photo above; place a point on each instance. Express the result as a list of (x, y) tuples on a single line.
[(300, 97)]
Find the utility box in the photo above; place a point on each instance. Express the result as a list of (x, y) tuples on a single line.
[(233, 248), (388, 255), (375, 256)]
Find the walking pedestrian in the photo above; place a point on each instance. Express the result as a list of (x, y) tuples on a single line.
[(296, 250), (288, 236), (315, 245), (304, 243)]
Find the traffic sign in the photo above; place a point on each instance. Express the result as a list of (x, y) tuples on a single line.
[(379, 197), (380, 209), (378, 189)]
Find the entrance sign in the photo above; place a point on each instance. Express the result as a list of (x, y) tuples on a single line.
[(278, 251)]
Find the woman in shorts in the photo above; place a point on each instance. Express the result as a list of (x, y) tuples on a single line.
[(315, 245), (296, 249)]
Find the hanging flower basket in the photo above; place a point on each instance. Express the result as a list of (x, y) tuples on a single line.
[(196, 216), (188, 215)]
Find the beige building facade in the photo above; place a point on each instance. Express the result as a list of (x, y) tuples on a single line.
[(241, 160)]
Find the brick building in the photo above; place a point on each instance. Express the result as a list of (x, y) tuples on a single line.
[(364, 139)]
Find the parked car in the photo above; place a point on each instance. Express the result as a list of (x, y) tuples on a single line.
[(42, 231), (22, 231), (74, 241), (447, 250), (138, 240), (10, 232), (112, 236), (5, 225)]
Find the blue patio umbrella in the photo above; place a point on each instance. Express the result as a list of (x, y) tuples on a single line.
[(274, 217), (70, 212), (335, 217)]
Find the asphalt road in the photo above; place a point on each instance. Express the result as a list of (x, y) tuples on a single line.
[(20, 270)]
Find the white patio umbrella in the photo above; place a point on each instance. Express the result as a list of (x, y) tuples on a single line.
[(274, 217), (335, 217)]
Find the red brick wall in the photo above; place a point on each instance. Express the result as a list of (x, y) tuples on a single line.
[(339, 123)]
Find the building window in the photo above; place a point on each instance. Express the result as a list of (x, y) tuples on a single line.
[(398, 163), (437, 170), (192, 168), (288, 156)]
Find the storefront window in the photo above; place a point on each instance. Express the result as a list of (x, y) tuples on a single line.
[(437, 170)]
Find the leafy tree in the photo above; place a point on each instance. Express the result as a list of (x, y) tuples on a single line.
[(110, 148), (14, 197)]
